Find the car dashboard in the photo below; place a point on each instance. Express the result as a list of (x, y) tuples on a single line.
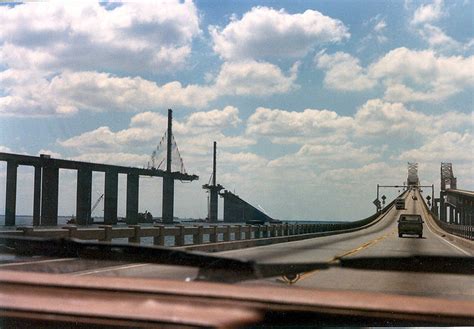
[(30, 299)]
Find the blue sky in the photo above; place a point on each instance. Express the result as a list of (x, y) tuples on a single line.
[(312, 103)]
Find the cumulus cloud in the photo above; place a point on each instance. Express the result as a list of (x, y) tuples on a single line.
[(381, 118), (196, 132), (378, 27), (229, 116), (5, 149), (428, 13), (254, 78), (326, 155), (265, 32), (447, 147), (138, 37), (373, 171), (310, 122), (244, 160), (114, 158), (437, 39), (374, 118), (422, 75), (33, 93), (407, 75), (28, 93), (343, 72)]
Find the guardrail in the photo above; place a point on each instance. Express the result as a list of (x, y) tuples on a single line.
[(181, 235), (463, 231)]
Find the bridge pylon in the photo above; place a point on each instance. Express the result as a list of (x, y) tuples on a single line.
[(214, 190)]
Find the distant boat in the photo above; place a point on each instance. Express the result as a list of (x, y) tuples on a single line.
[(145, 217)]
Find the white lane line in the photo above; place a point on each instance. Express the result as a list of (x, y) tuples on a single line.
[(112, 268), (37, 262), (451, 244), (442, 239)]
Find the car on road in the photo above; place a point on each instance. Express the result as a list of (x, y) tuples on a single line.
[(400, 203), (410, 224)]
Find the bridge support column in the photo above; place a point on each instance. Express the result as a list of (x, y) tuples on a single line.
[(457, 215), (110, 197), (83, 196), (213, 205), (132, 198), (168, 199), (10, 198), (452, 219), (49, 197), (37, 196), (442, 207)]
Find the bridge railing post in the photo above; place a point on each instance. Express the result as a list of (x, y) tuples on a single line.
[(227, 233), (107, 233), (179, 240), (238, 233), (159, 239), (272, 231), (199, 236), (213, 234), (135, 238), (27, 230), (71, 231), (248, 234), (257, 232)]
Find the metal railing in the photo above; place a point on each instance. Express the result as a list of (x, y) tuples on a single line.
[(464, 231), (178, 235), (181, 235)]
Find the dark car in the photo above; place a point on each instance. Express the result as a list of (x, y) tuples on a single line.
[(410, 224)]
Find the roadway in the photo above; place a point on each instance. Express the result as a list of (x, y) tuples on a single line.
[(381, 239)]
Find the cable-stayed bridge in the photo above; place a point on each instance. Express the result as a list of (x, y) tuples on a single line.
[(447, 228)]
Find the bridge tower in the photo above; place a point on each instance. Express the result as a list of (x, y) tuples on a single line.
[(214, 190), (448, 181), (167, 213), (170, 158), (447, 176), (412, 178)]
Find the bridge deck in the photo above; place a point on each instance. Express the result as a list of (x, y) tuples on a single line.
[(379, 240)]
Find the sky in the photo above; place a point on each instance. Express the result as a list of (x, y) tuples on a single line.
[(312, 103)]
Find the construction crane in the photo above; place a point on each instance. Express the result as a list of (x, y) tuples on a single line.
[(97, 203), (73, 219)]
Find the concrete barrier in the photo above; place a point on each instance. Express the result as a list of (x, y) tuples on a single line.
[(233, 236)]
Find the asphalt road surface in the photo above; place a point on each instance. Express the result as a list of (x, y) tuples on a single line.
[(380, 239)]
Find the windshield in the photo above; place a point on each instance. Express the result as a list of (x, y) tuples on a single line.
[(274, 133)]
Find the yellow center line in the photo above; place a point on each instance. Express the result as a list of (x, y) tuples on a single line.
[(347, 253)]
